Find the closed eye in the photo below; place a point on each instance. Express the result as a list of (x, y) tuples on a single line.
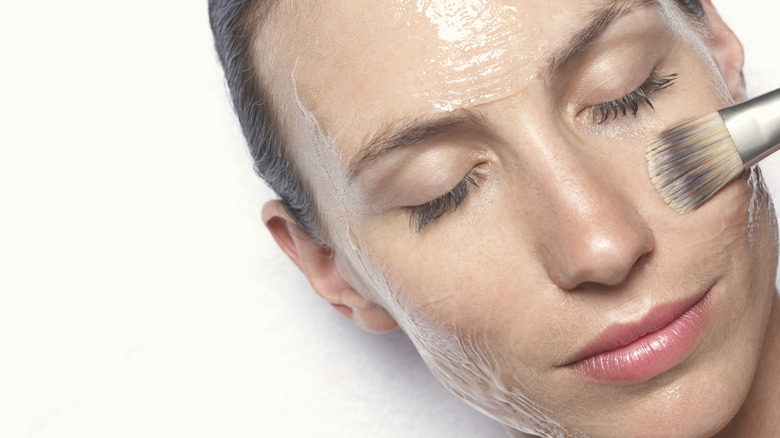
[(422, 215), (633, 101)]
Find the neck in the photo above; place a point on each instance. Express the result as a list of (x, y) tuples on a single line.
[(759, 415)]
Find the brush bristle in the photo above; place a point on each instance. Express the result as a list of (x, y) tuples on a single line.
[(692, 161)]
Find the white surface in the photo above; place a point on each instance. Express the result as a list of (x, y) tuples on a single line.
[(139, 293)]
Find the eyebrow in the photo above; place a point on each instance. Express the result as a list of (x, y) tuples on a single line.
[(582, 40), (415, 131), (409, 132)]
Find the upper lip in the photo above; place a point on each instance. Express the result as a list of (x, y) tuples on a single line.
[(620, 335)]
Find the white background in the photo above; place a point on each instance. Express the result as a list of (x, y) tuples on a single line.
[(139, 292)]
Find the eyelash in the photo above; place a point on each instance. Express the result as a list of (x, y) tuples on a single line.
[(421, 215), (633, 100)]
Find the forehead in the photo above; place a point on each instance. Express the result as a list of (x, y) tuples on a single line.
[(357, 66)]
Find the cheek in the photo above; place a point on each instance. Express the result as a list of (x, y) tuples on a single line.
[(471, 357), (476, 310), (738, 223), (748, 233)]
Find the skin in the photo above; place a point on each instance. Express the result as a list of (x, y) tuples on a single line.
[(563, 237)]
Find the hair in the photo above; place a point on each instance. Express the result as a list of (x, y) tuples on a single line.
[(235, 25)]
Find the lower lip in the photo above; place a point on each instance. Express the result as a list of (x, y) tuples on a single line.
[(651, 355)]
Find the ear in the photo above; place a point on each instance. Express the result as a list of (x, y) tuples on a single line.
[(727, 51), (318, 264)]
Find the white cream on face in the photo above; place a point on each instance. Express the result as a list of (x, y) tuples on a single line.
[(679, 25), (471, 53), (330, 185), (474, 63), (474, 53), (473, 363), (477, 58)]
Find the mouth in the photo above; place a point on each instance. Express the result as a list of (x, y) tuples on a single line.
[(629, 354)]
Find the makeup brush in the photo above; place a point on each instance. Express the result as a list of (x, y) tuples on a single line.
[(692, 161)]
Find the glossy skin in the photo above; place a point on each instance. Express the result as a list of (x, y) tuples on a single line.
[(561, 239)]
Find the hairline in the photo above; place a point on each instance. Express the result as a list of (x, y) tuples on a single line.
[(260, 17)]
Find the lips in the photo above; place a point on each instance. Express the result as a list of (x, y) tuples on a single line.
[(634, 353)]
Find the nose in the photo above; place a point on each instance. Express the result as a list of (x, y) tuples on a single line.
[(594, 233)]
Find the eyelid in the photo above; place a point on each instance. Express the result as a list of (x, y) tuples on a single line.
[(600, 113), (422, 215)]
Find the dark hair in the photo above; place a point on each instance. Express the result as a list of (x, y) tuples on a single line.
[(235, 24)]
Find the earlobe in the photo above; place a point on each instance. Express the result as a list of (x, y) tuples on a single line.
[(727, 51), (318, 264)]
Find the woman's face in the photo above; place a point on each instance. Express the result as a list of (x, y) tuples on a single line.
[(561, 296)]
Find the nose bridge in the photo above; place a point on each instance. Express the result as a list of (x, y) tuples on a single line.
[(592, 231)]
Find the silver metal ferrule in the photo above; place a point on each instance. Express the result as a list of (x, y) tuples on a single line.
[(754, 126)]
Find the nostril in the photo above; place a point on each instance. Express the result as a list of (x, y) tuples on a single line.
[(592, 230), (606, 257)]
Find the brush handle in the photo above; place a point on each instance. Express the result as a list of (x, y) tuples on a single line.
[(754, 126)]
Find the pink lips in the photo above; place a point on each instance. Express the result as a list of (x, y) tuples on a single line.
[(635, 353)]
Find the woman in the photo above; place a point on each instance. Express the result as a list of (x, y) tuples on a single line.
[(473, 172)]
